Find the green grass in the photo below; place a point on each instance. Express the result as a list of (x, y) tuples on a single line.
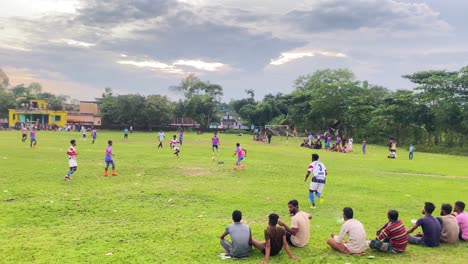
[(163, 209)]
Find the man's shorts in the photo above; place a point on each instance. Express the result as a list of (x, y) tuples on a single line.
[(215, 146), (240, 159), (110, 162), (84, 135), (94, 136), (315, 186), (176, 149), (72, 163), (33, 139)]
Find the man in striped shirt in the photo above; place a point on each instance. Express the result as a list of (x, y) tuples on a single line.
[(392, 236)]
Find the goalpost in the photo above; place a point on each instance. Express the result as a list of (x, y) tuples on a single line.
[(282, 131)]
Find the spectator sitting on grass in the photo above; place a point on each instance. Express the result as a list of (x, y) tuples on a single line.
[(391, 237), (241, 237), (430, 226)]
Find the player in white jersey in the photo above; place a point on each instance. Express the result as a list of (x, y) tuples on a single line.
[(174, 146), (72, 164), (318, 180)]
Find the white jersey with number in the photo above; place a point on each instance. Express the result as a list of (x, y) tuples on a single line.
[(318, 169)]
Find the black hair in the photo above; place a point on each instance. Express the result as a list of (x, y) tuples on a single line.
[(315, 157), (72, 142), (273, 219), (294, 203), (238, 144), (237, 216), (447, 208), (109, 142), (392, 215), (348, 212), (429, 207), (460, 205)]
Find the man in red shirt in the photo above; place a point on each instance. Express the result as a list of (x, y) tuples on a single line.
[(392, 236)]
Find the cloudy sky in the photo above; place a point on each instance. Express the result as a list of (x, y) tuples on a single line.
[(79, 47)]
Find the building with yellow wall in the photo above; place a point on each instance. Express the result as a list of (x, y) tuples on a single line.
[(36, 112)]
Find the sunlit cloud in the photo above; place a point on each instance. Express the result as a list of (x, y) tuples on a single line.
[(201, 65), (287, 57), (75, 43), (11, 47), (152, 64)]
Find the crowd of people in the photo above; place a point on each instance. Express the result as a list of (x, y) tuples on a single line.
[(392, 237)]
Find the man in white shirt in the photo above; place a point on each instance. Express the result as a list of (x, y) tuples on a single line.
[(161, 137), (356, 235)]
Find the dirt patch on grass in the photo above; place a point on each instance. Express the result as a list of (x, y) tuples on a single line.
[(195, 171)]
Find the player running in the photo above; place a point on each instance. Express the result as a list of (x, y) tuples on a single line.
[(32, 135), (215, 143), (24, 132), (94, 134), (174, 146), (318, 180), (240, 156), (108, 159), (72, 164)]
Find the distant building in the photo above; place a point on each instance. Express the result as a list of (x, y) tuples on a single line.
[(88, 115), (36, 113), (230, 122), (184, 122)]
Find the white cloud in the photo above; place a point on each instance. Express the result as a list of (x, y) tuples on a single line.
[(75, 43), (152, 64), (201, 65), (295, 55)]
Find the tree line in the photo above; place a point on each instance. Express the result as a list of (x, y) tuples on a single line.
[(434, 113)]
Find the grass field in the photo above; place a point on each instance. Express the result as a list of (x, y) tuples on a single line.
[(163, 209)]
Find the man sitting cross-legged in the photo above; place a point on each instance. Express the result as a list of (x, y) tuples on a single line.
[(392, 236)]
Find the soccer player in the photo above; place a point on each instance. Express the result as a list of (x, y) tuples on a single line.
[(72, 164), (83, 133), (174, 146), (318, 180), (108, 159), (215, 143), (126, 134), (181, 136), (24, 132), (411, 151), (32, 135), (161, 137), (240, 155), (94, 134)]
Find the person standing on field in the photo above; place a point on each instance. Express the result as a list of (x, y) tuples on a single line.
[(412, 149), (109, 159), (72, 164), (318, 180), (298, 234), (161, 137), (125, 134)]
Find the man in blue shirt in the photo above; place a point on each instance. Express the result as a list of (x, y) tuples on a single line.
[(430, 226)]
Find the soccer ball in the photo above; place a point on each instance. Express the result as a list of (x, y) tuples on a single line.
[(213, 158)]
